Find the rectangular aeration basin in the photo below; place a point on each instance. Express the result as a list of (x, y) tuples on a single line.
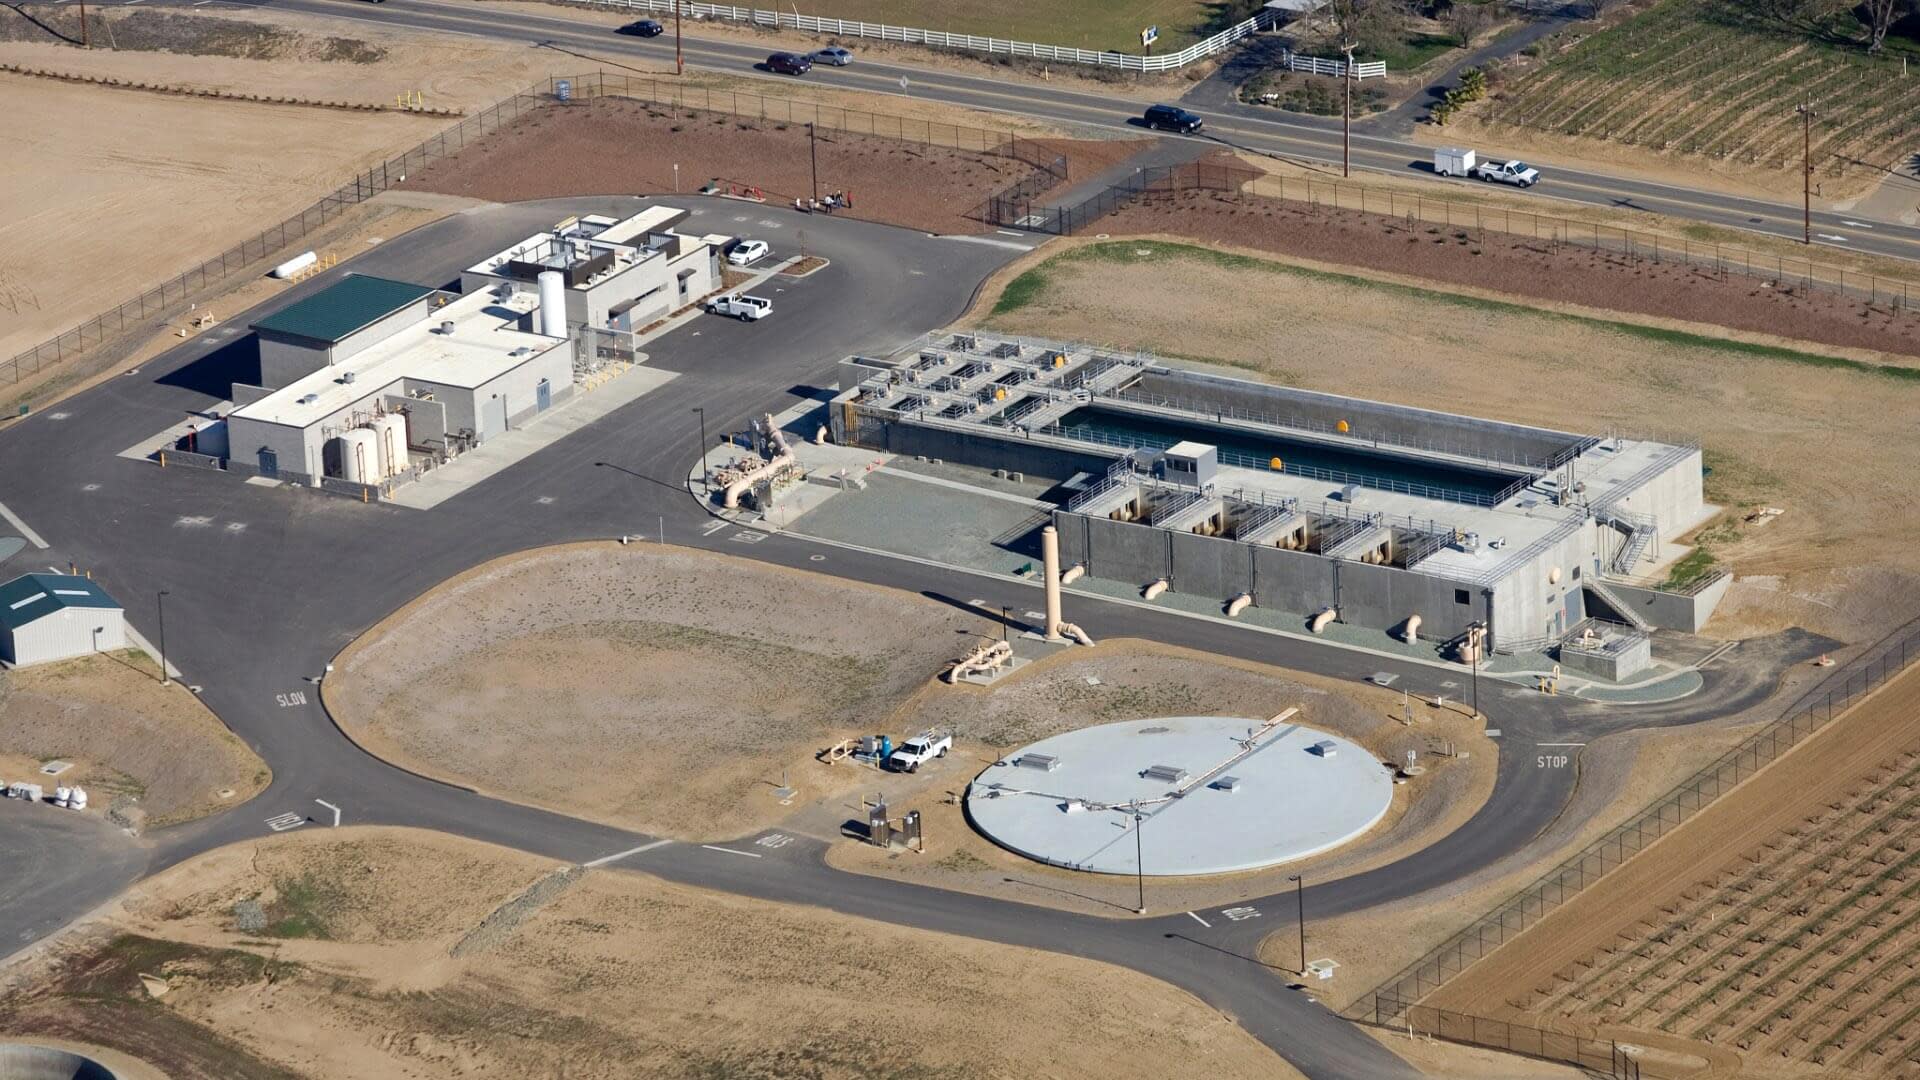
[(1169, 774)]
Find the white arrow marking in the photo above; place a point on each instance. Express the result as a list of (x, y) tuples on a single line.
[(1855, 224), (1832, 237)]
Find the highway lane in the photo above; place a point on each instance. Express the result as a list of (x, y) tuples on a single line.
[(269, 584), (1303, 138)]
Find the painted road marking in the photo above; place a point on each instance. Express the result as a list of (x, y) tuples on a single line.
[(283, 822), (21, 526), (1855, 224), (747, 537), (731, 851), (712, 527), (1560, 744), (335, 809), (774, 840), (291, 699), (1201, 921), (193, 521), (236, 526), (816, 558), (1832, 237), (618, 855), (1240, 914)]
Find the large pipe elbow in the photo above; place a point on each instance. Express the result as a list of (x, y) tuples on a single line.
[(1239, 604), (1321, 620)]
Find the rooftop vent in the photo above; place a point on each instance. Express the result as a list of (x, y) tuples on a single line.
[(1168, 774), (1043, 762), (446, 326), (1325, 748), (308, 399), (347, 377), (1226, 783)]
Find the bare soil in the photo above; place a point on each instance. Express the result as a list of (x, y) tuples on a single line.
[(614, 146), (613, 974), (1538, 268), (1778, 924), (1137, 680), (712, 679), (147, 751), (1835, 562)]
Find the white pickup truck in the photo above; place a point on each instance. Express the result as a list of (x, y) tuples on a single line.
[(1453, 161), (917, 751), (740, 306)]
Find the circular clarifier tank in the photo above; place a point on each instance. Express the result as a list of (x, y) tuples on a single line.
[(1214, 795), (27, 1061)]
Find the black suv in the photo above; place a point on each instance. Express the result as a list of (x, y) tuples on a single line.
[(786, 63), (1170, 118), (643, 28)]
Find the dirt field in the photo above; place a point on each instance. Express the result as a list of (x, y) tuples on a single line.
[(1135, 680), (711, 677), (1525, 266), (1834, 562), (1779, 924), (147, 752), (395, 953), (617, 146)]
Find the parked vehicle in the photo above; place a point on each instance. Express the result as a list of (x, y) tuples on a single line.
[(643, 28), (744, 308), (1172, 118), (833, 56), (747, 252), (1517, 173), (919, 750), (786, 63), (1453, 161)]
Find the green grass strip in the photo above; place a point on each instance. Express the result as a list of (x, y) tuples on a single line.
[(1030, 288)]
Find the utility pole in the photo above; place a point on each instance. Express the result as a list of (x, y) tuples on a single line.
[(813, 156), (706, 476), (1805, 109), (161, 601), (1300, 900), (86, 36), (1139, 864), (1475, 635), (1346, 111), (679, 59)]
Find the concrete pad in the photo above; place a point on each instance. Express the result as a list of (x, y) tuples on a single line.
[(1286, 802)]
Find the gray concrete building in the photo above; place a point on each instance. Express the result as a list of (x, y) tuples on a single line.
[(48, 617), (1420, 523)]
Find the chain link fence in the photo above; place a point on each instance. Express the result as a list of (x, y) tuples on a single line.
[(1862, 675), (1602, 1057), (173, 296)]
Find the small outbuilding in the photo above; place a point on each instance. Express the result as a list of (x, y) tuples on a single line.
[(47, 617)]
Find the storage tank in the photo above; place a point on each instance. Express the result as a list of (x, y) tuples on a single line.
[(360, 457), (391, 430), (553, 303)]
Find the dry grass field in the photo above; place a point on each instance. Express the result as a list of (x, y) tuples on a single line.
[(393, 953), (1818, 433)]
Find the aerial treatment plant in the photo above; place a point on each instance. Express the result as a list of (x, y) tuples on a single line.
[(1420, 523)]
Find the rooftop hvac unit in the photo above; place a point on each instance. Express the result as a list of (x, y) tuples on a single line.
[(446, 326), (1226, 783), (1042, 762), (1325, 748), (1349, 492), (1166, 774), (308, 399)]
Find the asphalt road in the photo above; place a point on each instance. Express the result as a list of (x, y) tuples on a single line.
[(1304, 138), (268, 584)]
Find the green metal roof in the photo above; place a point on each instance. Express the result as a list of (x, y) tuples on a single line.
[(30, 596), (335, 312)]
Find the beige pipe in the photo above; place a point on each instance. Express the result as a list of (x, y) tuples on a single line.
[(1321, 620), (1050, 566), (1073, 573), (1238, 604), (1155, 589), (1075, 633), (1413, 629)]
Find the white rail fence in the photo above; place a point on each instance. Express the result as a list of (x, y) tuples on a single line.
[(1313, 65), (815, 24)]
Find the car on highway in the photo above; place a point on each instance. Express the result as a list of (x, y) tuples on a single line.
[(1172, 118), (747, 252), (643, 28), (786, 63), (1453, 161), (832, 56), (740, 306)]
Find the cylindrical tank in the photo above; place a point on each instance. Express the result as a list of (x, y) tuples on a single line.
[(553, 303), (392, 432), (295, 265), (360, 457)]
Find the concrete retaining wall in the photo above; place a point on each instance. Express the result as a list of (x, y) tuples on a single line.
[(1673, 611)]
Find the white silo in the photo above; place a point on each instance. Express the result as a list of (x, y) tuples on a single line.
[(360, 457), (391, 433), (553, 303)]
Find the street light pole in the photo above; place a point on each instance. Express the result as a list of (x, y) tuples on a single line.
[(679, 60), (1475, 635), (706, 476), (1300, 899), (1346, 111), (813, 156), (160, 600), (1805, 109), (1139, 864)]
